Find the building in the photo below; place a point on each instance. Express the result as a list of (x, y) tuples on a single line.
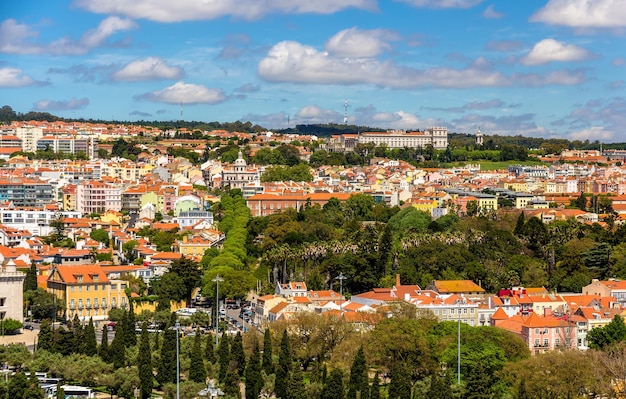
[(68, 144), (437, 137), (29, 135), (96, 197), (11, 292), (192, 217), (35, 220), (267, 204), (238, 175), (25, 192)]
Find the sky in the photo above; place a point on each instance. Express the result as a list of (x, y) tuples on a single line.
[(539, 68)]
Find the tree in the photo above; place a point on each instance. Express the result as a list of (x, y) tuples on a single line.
[(375, 390), (33, 390), (17, 386), (237, 354), (190, 273), (209, 351), (333, 388), (103, 350), (223, 356), (197, 372), (359, 381), (439, 388), (603, 337), (100, 235), (519, 226), (30, 282), (166, 369), (144, 363), (90, 347), (254, 380), (117, 350), (45, 338), (295, 385), (284, 364), (60, 391), (400, 386), (268, 363), (9, 326)]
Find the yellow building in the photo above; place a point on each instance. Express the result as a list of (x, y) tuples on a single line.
[(86, 291), (425, 205), (69, 197)]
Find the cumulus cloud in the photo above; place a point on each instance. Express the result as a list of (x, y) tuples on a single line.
[(583, 13), (491, 13), (442, 3), (193, 10), (358, 43), (550, 50), (293, 62), (504, 45), (62, 105), (86, 73), (186, 93), (13, 77), (16, 38), (151, 68), (593, 133), (248, 88)]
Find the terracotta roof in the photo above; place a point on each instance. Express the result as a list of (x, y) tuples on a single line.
[(72, 274), (456, 286)]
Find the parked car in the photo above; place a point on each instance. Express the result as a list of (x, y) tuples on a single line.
[(28, 327)]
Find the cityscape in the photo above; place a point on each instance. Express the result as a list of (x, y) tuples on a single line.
[(361, 199)]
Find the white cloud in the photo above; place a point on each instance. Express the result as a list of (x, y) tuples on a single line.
[(358, 43), (583, 13), (593, 133), (194, 10), (187, 93), (151, 68), (13, 77), (491, 13), (442, 3), (293, 62), (63, 105), (550, 50), (17, 38), (619, 61)]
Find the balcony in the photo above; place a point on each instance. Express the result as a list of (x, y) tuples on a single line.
[(72, 307), (80, 306), (541, 346)]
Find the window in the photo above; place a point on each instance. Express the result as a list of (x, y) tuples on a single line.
[(443, 312), (545, 342), (451, 311), (465, 311), (536, 331), (536, 342), (557, 342), (2, 301)]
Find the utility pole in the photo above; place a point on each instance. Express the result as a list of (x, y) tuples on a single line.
[(217, 280), (341, 277)]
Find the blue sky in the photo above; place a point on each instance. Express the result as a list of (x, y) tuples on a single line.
[(549, 68)]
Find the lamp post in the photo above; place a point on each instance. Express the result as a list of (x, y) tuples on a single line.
[(458, 360), (176, 326), (217, 280), (341, 277)]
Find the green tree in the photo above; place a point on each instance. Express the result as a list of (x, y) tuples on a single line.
[(60, 391), (519, 226), (358, 386), (209, 351), (237, 354), (166, 368), (103, 349), (284, 364), (254, 380), (268, 362), (33, 390), (45, 338), (333, 388), (603, 337), (223, 356), (30, 282), (439, 388), (197, 372), (117, 350), (295, 385), (190, 273), (100, 235), (90, 344), (17, 386), (375, 390), (144, 363), (400, 386)]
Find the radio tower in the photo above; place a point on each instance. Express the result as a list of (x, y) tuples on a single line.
[(181, 109), (345, 112)]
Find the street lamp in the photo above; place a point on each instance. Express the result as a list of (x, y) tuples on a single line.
[(217, 280), (458, 360), (341, 277), (176, 326)]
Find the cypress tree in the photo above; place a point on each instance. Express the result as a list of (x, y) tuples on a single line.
[(375, 391), (284, 364), (268, 364), (156, 345), (231, 384), (439, 388), (522, 392), (209, 350), (197, 372), (45, 338), (333, 389), (519, 225), (254, 381), (400, 386), (167, 366), (103, 350), (237, 354), (91, 346), (130, 338), (117, 351), (33, 390), (30, 282), (144, 363), (66, 342), (479, 383), (359, 381), (295, 387), (78, 336), (60, 391), (223, 357)]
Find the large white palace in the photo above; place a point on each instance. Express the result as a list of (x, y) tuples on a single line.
[(435, 136)]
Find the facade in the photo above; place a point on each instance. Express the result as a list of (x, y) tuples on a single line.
[(239, 175), (267, 204), (35, 220), (192, 217), (437, 137), (26, 192), (11, 293), (29, 135), (67, 144), (96, 197)]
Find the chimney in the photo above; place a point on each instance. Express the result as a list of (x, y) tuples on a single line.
[(398, 280)]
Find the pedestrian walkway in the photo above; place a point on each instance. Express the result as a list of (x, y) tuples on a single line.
[(28, 338)]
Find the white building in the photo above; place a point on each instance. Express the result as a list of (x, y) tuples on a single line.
[(11, 292), (29, 135), (435, 136), (35, 220)]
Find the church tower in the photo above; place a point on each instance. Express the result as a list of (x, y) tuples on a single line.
[(479, 137)]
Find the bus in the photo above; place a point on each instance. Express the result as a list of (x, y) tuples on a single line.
[(73, 391)]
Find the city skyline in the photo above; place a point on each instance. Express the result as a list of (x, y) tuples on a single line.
[(548, 69)]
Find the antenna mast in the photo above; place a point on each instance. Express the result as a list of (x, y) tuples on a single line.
[(345, 112)]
